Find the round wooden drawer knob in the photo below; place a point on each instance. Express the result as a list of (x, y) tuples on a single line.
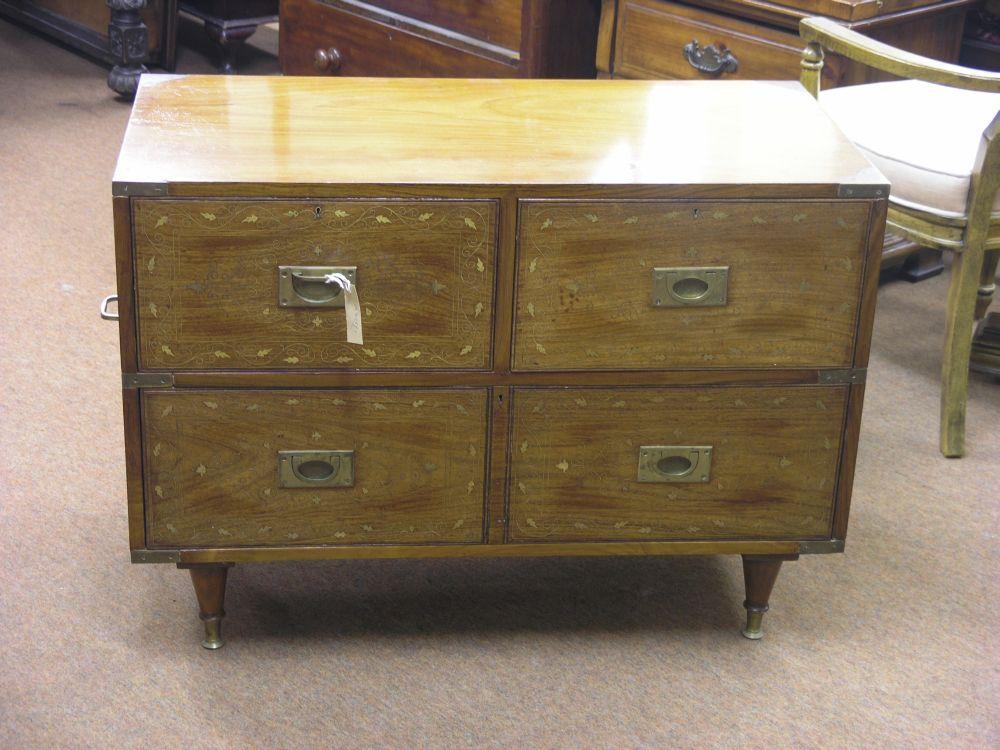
[(327, 60)]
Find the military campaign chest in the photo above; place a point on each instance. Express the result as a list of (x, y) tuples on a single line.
[(369, 318)]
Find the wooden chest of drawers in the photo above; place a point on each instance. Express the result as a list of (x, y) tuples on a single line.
[(594, 321)]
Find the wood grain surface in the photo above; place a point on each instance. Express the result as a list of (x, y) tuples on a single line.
[(211, 467), (585, 279), (574, 462), (269, 131), (207, 276)]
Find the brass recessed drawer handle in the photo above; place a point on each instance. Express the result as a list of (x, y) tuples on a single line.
[(309, 286), (323, 286), (694, 286), (675, 463), (714, 61), (106, 313), (315, 469)]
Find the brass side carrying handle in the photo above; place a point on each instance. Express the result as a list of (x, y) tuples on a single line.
[(714, 61), (106, 313), (675, 463), (315, 469), (693, 286), (309, 286)]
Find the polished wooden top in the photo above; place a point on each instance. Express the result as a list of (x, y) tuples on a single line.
[(357, 131)]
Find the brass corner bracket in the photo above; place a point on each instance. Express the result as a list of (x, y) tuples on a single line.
[(822, 547), (862, 191), (855, 376), (137, 189), (156, 556), (147, 380)]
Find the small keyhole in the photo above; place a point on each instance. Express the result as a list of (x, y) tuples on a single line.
[(318, 211)]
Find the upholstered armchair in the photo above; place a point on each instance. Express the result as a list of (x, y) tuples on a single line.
[(944, 166)]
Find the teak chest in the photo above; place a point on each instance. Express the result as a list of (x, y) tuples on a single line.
[(598, 318)]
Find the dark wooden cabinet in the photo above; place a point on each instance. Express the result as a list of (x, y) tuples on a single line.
[(124, 33), (447, 38)]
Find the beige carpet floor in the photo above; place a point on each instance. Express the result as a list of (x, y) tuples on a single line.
[(891, 645)]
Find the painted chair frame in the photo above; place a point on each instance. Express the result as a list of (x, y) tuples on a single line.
[(974, 238)]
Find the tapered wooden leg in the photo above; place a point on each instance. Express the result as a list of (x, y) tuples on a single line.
[(759, 575), (210, 587), (229, 40), (963, 289)]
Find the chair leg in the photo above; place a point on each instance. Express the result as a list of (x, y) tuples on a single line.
[(987, 283), (966, 271)]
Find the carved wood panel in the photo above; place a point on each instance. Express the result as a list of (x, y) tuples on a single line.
[(211, 467), (575, 457), (207, 276), (585, 284)]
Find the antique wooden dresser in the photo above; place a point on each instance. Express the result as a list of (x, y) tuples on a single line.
[(371, 318)]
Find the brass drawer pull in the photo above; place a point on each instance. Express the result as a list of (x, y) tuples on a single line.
[(675, 463), (315, 469), (106, 314), (308, 286), (697, 286), (715, 61)]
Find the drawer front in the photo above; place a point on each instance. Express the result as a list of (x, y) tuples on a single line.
[(207, 283), (415, 467), (770, 456), (586, 275), (652, 36), (497, 22), (365, 47)]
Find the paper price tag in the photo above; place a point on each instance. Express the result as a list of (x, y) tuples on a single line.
[(352, 306)]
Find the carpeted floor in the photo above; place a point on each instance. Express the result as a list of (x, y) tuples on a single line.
[(892, 645)]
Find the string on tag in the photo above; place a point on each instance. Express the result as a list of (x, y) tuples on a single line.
[(352, 305)]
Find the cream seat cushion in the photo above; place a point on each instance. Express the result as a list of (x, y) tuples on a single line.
[(923, 137)]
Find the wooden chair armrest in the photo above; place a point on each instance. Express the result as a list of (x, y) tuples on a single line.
[(841, 40)]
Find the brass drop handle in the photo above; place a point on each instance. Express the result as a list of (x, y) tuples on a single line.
[(714, 61), (327, 60), (106, 313), (298, 469)]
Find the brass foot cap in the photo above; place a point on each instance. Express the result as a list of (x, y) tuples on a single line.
[(212, 645), (753, 635)]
